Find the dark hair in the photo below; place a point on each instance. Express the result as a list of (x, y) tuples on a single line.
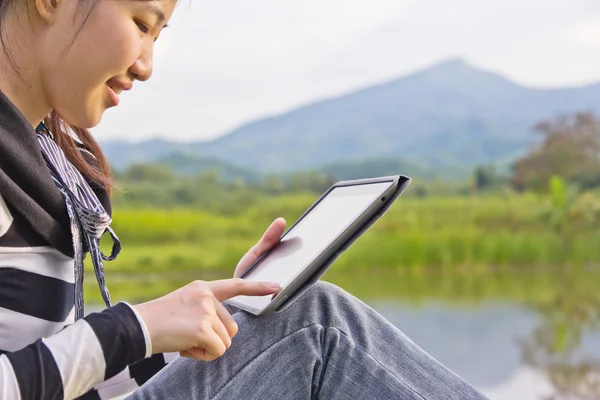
[(96, 169)]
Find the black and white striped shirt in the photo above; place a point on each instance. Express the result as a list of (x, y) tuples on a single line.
[(44, 354)]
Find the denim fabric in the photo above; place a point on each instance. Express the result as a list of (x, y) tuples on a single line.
[(326, 345)]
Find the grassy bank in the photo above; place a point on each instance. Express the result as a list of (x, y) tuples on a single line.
[(525, 286), (432, 241), (509, 231)]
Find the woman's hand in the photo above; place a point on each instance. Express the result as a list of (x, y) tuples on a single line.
[(270, 238), (192, 320)]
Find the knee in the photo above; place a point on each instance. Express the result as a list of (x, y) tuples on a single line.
[(322, 288), (317, 296), (325, 292), (326, 304)]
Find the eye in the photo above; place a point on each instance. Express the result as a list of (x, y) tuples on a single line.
[(142, 27)]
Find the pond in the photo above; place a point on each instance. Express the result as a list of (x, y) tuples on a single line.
[(482, 344), (527, 335)]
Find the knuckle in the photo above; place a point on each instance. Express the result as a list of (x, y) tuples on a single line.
[(197, 285), (203, 328), (198, 289), (233, 327), (239, 283), (202, 291), (205, 295), (198, 295), (220, 351)]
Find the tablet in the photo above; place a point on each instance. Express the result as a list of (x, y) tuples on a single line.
[(343, 213)]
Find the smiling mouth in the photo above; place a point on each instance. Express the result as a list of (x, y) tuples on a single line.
[(113, 94), (114, 88), (119, 86)]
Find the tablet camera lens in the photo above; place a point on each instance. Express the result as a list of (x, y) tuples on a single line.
[(383, 199)]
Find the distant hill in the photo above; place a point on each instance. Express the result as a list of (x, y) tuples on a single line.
[(121, 153), (449, 116), (346, 170), (189, 164)]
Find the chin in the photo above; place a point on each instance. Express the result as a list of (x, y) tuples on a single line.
[(90, 123), (84, 120)]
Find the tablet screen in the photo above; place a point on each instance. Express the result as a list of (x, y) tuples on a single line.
[(312, 235)]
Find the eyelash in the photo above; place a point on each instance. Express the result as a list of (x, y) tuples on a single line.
[(142, 27)]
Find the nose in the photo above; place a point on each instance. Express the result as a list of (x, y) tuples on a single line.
[(142, 67)]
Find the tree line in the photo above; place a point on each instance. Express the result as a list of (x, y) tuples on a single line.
[(567, 146)]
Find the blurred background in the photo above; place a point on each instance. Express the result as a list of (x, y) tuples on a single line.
[(489, 261)]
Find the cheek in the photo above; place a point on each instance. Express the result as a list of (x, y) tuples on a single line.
[(109, 53), (77, 86)]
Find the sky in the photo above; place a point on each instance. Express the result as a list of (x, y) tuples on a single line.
[(223, 63)]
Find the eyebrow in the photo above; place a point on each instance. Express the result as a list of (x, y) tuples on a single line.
[(156, 11)]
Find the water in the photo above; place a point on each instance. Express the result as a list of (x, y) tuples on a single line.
[(481, 344), (478, 343), (513, 336)]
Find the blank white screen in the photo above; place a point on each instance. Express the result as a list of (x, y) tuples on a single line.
[(311, 236)]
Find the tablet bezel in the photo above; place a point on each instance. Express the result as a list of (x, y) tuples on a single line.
[(397, 184)]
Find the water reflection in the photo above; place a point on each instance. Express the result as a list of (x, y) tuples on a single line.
[(478, 343), (485, 345), (539, 344), (562, 345), (520, 334)]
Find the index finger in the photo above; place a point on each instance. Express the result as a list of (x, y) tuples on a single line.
[(227, 288)]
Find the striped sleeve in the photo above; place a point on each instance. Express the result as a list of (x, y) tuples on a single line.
[(74, 360), (131, 378), (135, 375)]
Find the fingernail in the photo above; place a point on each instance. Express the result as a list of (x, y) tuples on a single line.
[(273, 286)]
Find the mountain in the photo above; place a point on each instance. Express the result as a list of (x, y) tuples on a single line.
[(345, 170), (121, 153), (451, 115), (189, 164)]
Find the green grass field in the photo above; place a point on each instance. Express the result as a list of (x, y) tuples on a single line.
[(415, 233), (466, 240)]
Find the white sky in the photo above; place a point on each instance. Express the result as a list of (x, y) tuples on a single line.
[(222, 63)]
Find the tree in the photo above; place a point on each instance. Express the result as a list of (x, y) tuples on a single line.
[(485, 177), (148, 172), (311, 181), (274, 184), (570, 148)]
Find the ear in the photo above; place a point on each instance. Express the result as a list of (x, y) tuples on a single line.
[(48, 9)]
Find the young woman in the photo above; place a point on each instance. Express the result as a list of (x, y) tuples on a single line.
[(62, 64)]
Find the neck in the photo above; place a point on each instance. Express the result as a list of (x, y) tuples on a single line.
[(20, 79), (24, 94)]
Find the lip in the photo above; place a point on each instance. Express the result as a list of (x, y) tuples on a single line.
[(113, 96), (115, 87), (120, 84)]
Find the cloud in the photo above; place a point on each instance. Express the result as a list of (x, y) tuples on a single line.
[(585, 34), (222, 63)]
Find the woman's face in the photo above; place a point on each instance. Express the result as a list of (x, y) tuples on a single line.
[(82, 79)]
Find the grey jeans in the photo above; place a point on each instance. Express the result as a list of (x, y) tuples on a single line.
[(326, 345)]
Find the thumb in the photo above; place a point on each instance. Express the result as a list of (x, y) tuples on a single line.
[(228, 288), (271, 237)]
